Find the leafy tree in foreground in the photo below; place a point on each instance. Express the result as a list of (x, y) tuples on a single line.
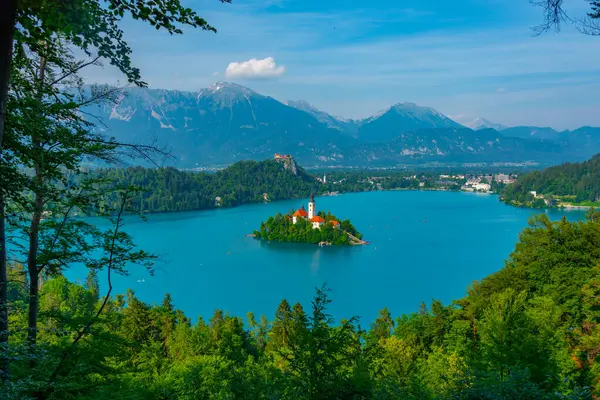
[(40, 123)]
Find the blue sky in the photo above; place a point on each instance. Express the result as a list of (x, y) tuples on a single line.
[(466, 58)]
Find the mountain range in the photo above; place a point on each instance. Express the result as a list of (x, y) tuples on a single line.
[(482, 123), (227, 122)]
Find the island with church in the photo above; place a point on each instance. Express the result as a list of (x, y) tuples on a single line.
[(309, 226)]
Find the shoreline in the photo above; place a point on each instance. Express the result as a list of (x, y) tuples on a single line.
[(560, 207), (293, 198), (563, 207), (571, 207)]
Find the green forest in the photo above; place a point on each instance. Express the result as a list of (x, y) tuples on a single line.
[(168, 189), (529, 331), (280, 228), (171, 190), (570, 183)]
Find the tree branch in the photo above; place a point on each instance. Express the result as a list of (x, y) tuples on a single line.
[(85, 329), (59, 229), (74, 70), (141, 149), (554, 15)]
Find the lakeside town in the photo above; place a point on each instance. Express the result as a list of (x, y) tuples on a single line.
[(483, 183), (404, 180)]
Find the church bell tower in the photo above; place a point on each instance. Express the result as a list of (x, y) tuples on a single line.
[(312, 209)]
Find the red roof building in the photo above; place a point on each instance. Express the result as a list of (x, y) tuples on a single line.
[(318, 219), (301, 213), (334, 223)]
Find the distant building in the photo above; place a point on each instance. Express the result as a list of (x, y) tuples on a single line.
[(482, 187), (503, 178), (300, 213), (287, 161), (312, 207), (317, 222), (421, 184), (473, 181), (533, 193), (323, 180), (446, 183)]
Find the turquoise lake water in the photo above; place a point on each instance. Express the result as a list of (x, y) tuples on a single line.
[(424, 245)]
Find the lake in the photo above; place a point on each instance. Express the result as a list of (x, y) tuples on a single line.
[(424, 245)]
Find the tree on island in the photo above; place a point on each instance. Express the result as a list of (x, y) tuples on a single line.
[(281, 228)]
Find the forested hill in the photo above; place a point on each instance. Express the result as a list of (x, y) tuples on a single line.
[(168, 189), (571, 183)]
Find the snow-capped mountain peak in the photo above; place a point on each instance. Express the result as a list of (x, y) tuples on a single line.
[(229, 87), (478, 123)]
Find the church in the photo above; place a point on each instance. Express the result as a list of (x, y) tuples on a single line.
[(316, 220)]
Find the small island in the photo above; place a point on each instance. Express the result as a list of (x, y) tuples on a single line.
[(302, 226)]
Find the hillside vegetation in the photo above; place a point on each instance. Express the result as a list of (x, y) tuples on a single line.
[(168, 189), (571, 183), (172, 190)]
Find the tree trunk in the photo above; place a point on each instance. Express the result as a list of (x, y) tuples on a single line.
[(3, 297), (34, 229), (8, 16), (32, 267)]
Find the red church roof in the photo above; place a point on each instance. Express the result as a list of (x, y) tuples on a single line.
[(316, 218), (334, 222), (301, 213)]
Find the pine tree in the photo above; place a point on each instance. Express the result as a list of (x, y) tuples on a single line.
[(282, 330), (92, 284), (383, 326), (136, 323)]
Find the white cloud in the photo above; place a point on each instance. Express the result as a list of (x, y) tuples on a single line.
[(215, 74), (255, 69)]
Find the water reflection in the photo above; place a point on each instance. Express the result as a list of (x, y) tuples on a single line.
[(314, 267)]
